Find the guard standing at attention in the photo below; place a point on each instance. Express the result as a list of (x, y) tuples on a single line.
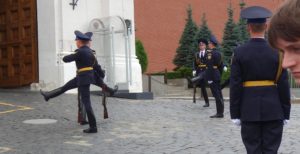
[(213, 75), (200, 68), (259, 89)]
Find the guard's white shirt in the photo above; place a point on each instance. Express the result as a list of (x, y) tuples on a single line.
[(201, 53)]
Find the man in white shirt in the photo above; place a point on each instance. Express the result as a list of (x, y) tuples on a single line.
[(200, 67)]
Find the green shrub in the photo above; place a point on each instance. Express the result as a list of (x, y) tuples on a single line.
[(141, 55), (170, 75), (185, 71), (174, 75)]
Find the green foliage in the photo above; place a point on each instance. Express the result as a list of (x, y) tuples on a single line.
[(225, 75), (234, 34), (185, 71), (174, 75), (242, 26), (141, 55), (187, 45), (181, 72), (204, 32), (230, 37)]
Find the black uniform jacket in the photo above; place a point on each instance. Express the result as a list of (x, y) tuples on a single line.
[(214, 65), (83, 57), (200, 63), (255, 61)]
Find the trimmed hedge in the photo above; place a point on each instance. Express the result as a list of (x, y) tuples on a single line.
[(182, 72)]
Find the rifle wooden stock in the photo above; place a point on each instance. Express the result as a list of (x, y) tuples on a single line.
[(194, 93), (80, 118), (105, 113)]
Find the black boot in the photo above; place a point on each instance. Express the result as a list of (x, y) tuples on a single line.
[(204, 93), (217, 116), (109, 91), (199, 77), (189, 80), (91, 130), (220, 110), (52, 93), (206, 105)]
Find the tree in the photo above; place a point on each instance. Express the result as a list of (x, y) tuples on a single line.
[(230, 36), (141, 55), (204, 32), (242, 26), (187, 44)]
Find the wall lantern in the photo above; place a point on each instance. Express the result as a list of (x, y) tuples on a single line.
[(74, 3)]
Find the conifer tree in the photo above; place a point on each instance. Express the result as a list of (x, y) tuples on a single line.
[(204, 32), (242, 25), (187, 44), (230, 36)]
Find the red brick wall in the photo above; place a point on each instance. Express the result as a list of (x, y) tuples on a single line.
[(159, 24)]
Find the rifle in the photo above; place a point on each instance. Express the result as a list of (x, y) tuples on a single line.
[(81, 111), (79, 117), (194, 81), (105, 113), (194, 95)]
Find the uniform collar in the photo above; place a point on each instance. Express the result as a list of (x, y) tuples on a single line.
[(256, 39), (84, 46)]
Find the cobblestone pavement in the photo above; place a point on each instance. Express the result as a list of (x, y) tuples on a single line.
[(159, 126)]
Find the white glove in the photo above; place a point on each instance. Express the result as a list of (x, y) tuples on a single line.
[(236, 122), (285, 122), (194, 73), (225, 68), (209, 82)]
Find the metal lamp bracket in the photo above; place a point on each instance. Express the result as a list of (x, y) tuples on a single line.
[(73, 3)]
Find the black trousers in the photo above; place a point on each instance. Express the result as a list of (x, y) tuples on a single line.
[(73, 84), (262, 137), (202, 85), (84, 91), (215, 88)]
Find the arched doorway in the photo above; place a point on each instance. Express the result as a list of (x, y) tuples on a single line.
[(18, 43)]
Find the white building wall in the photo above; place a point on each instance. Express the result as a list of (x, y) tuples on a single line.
[(56, 24), (47, 43)]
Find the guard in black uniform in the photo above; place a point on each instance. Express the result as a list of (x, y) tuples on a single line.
[(85, 63), (213, 75), (259, 89), (199, 69), (98, 77), (84, 60)]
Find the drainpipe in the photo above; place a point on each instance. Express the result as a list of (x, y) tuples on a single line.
[(113, 55)]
